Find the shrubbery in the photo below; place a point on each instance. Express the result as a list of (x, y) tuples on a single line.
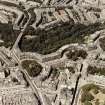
[(94, 70), (71, 70), (74, 55)]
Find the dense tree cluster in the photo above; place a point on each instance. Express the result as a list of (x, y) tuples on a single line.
[(75, 54), (94, 70), (32, 67), (49, 41), (8, 35)]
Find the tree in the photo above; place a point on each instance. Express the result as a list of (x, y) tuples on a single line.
[(14, 79), (71, 70)]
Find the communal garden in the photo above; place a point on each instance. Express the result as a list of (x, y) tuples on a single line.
[(92, 94)]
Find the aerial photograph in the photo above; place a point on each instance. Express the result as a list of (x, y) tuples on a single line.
[(52, 52)]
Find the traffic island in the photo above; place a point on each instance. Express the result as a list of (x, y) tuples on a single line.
[(32, 67)]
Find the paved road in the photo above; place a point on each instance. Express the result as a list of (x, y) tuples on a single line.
[(5, 59), (33, 85), (76, 86), (21, 33)]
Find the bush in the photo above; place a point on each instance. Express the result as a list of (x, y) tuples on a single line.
[(71, 70)]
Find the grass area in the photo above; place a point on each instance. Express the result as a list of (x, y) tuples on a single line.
[(48, 41), (32, 67), (94, 70), (92, 95)]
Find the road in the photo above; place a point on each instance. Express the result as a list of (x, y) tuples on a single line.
[(21, 33), (76, 86), (34, 88), (5, 59), (13, 51)]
